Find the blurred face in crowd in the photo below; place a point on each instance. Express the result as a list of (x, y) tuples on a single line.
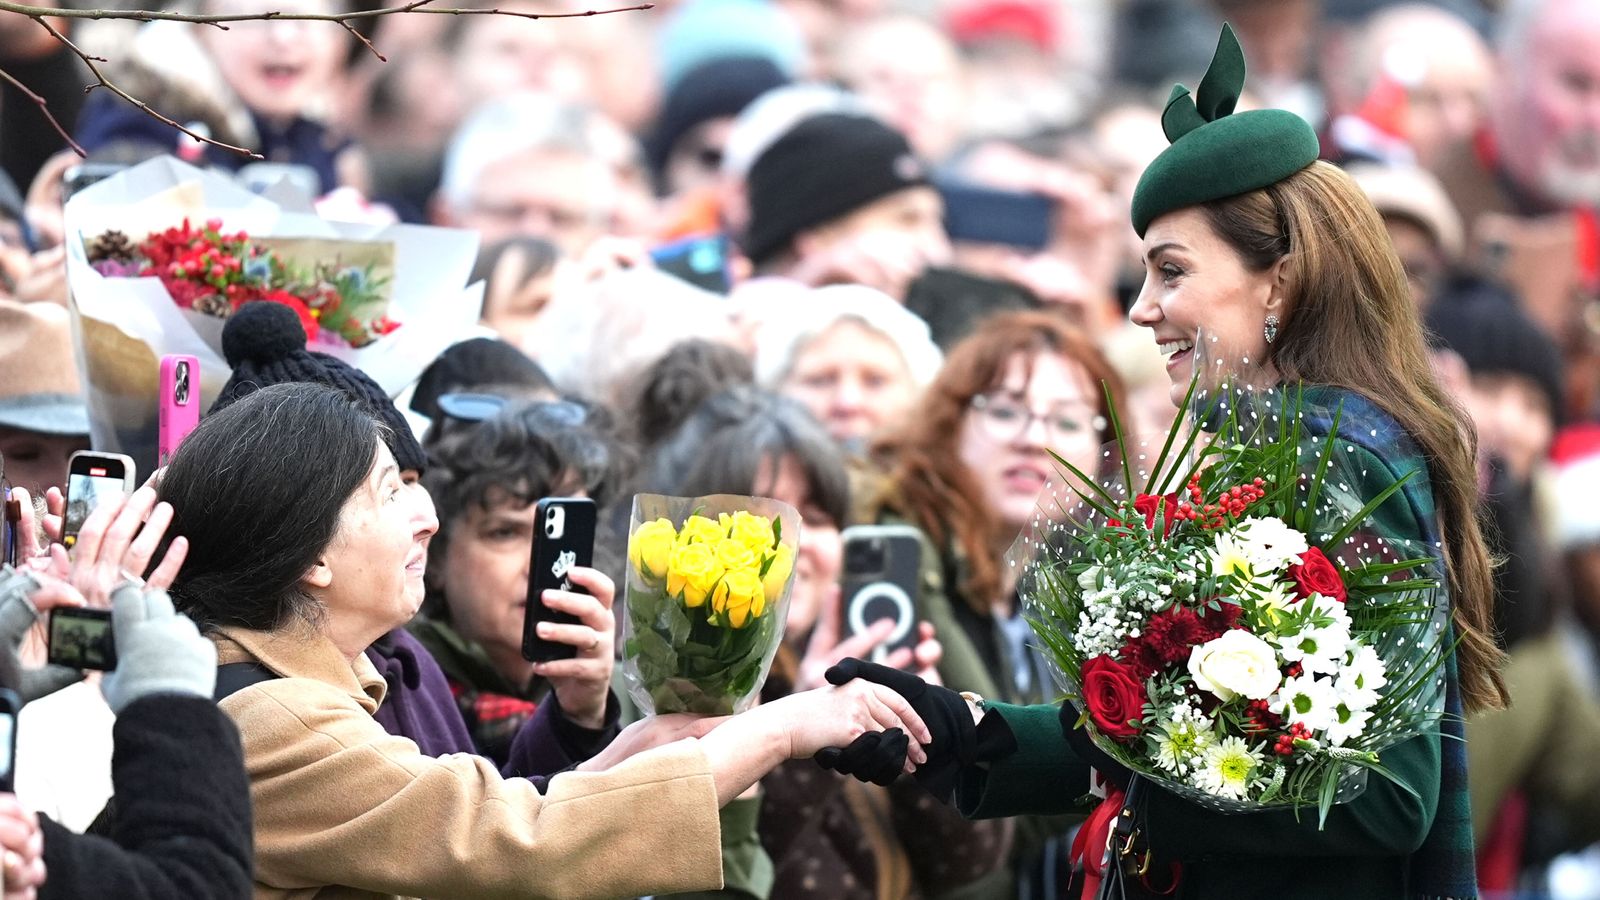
[(1420, 256), (502, 54), (1044, 403), (910, 73), (280, 69), (1196, 285), (485, 576), (38, 461), (370, 576), (1513, 418), (817, 563), (559, 196), (890, 240), (696, 160), (515, 297), (1445, 67), (1548, 115), (853, 379)]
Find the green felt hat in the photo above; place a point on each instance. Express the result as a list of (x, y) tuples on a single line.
[(1215, 152)]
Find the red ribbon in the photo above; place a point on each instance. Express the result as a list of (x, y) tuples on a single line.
[(1092, 838)]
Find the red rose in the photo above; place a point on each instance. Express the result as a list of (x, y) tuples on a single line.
[(1114, 696), (1316, 575), (1152, 504)]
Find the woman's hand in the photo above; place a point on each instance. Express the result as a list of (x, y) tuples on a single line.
[(21, 609), (582, 684), (118, 542), (22, 849), (647, 734)]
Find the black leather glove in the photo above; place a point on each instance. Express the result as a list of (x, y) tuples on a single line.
[(876, 757), (945, 712), (1083, 745)]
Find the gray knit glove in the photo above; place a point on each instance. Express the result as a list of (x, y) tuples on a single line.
[(159, 651), (17, 616)]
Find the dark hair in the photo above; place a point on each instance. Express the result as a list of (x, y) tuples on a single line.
[(1352, 325), (257, 490), (480, 365), (518, 456), (725, 446), (665, 393)]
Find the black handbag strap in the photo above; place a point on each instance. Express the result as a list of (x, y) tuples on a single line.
[(235, 677)]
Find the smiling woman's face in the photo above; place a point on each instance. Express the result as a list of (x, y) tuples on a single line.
[(278, 68), (1197, 285)]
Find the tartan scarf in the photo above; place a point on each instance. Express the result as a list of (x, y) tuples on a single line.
[(1445, 866)]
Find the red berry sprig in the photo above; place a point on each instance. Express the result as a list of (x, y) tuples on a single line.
[(1285, 743), (1230, 503)]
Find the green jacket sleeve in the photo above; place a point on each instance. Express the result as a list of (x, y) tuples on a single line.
[(1042, 778)]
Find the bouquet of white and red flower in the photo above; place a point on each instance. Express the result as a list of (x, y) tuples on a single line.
[(1249, 639)]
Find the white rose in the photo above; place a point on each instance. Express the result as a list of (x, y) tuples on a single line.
[(1234, 664)]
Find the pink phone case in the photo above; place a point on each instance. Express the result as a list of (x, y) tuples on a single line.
[(180, 402)]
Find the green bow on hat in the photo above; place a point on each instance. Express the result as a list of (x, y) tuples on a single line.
[(1215, 152)]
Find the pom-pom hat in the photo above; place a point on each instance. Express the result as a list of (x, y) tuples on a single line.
[(1576, 458), (265, 344), (1217, 153)]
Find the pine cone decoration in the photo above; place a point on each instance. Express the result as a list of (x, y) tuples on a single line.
[(214, 305), (113, 245)]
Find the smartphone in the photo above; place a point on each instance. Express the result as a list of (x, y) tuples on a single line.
[(81, 638), (563, 537), (84, 174), (702, 261), (180, 402), (10, 705), (989, 216), (882, 579), (90, 476)]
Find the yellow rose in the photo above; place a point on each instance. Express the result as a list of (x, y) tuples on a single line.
[(749, 529), (650, 548), (739, 597), (692, 573), (734, 555), (701, 530), (778, 573)]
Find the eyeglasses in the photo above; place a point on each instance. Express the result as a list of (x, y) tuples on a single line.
[(474, 408), (1005, 419)]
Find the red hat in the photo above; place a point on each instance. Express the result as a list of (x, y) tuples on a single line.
[(1031, 21), (1576, 455)]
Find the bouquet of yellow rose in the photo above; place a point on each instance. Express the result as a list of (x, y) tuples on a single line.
[(708, 592)]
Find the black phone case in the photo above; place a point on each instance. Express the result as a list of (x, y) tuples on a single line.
[(901, 575), (105, 646), (10, 705), (547, 570)]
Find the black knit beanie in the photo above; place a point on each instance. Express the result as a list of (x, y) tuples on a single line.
[(716, 88), (1484, 324), (265, 344), (827, 166)]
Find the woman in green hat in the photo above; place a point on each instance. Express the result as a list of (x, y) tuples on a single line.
[(1278, 258)]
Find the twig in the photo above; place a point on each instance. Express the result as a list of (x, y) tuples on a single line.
[(44, 108), (415, 6), (363, 39), (102, 81)]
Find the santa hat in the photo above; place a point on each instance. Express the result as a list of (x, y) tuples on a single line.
[(1576, 455)]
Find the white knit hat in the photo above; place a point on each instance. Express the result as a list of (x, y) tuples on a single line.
[(783, 334), (1576, 455)]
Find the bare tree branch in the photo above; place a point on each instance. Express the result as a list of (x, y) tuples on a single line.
[(42, 15), (44, 108), (102, 81), (415, 6)]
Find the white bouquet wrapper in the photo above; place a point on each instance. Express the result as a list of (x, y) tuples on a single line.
[(123, 326)]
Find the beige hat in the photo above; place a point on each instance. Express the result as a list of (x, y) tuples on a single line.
[(1413, 193), (39, 387)]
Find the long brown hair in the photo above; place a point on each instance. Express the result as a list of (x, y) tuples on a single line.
[(1352, 325), (929, 483)]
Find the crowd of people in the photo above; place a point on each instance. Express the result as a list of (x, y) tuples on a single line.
[(877, 259)]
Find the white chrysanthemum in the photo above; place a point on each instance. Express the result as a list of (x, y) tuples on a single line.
[(1182, 738), (1228, 557), (1309, 701), (1270, 543), (1361, 677), (1347, 724), (1274, 599), (1319, 648), (1229, 769)]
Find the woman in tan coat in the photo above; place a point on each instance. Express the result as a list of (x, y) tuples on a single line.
[(304, 549)]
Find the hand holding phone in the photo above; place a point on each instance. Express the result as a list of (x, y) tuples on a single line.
[(882, 581), (82, 638), (90, 476), (10, 705), (563, 537)]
